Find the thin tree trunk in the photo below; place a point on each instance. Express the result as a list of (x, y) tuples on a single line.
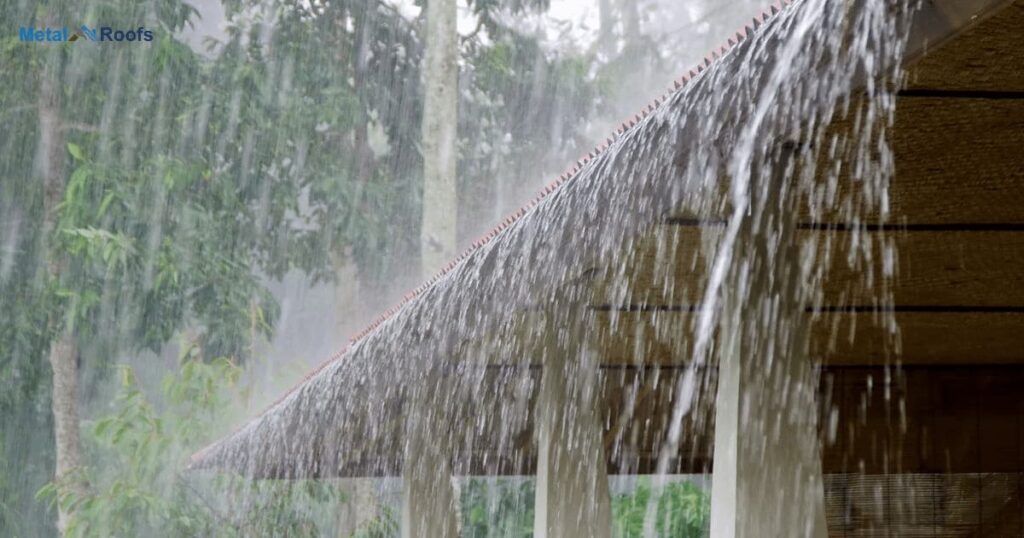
[(63, 354), (440, 111), (63, 361)]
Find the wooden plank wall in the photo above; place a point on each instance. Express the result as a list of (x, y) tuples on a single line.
[(957, 225), (924, 451)]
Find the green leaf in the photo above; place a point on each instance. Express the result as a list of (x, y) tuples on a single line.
[(102, 426), (105, 204), (49, 491), (76, 151)]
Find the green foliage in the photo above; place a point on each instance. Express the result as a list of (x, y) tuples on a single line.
[(497, 507), (329, 124), (504, 507), (193, 180), (683, 511), (520, 122), (91, 108), (152, 247), (138, 484), (385, 525)]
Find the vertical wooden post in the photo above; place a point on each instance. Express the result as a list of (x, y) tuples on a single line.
[(572, 498)]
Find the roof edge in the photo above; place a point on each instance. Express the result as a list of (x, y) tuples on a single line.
[(678, 84)]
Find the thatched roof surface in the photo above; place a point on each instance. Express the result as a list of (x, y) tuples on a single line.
[(346, 417)]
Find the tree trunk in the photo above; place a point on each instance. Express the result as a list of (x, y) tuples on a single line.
[(440, 110), (430, 503), (63, 354), (65, 418)]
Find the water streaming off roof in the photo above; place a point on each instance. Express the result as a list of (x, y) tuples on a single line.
[(744, 312)]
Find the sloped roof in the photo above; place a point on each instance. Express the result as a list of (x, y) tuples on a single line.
[(489, 289)]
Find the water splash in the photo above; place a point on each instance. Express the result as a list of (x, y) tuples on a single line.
[(468, 348)]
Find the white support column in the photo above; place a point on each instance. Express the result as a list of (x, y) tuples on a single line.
[(359, 506), (429, 501), (767, 480), (572, 499)]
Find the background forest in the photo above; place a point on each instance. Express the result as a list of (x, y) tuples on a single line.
[(188, 224)]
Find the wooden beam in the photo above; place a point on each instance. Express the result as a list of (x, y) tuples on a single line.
[(939, 338), (924, 420), (964, 266), (957, 160), (848, 338)]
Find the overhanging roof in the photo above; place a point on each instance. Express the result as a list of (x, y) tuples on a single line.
[(345, 419)]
